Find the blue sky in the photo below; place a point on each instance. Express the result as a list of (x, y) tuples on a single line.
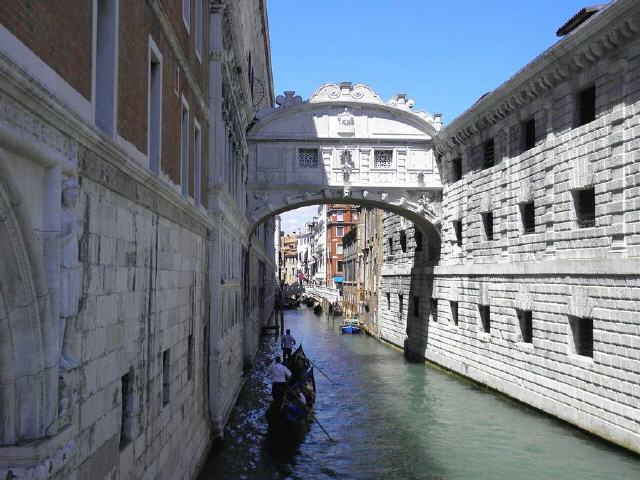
[(444, 54)]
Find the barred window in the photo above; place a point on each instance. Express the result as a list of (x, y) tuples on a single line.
[(489, 153), (585, 204), (307, 158), (383, 159)]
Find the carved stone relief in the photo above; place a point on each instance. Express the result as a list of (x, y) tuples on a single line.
[(346, 123), (71, 231)]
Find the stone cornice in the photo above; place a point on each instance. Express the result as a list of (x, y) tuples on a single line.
[(595, 267), (172, 40), (614, 26), (267, 116)]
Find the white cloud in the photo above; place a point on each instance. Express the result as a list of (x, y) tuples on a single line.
[(295, 219)]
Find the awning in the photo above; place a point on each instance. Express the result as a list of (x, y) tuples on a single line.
[(337, 279)]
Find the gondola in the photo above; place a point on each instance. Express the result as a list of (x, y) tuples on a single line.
[(292, 413)]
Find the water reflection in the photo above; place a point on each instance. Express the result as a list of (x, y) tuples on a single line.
[(392, 419)]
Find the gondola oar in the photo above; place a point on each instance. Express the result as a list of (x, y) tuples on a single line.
[(304, 405), (316, 366)]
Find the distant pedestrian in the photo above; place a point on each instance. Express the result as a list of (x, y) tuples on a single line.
[(279, 376), (287, 344)]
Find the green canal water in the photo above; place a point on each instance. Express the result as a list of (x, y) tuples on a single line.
[(391, 419)]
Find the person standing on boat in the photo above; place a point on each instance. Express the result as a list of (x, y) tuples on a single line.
[(279, 376), (287, 344)]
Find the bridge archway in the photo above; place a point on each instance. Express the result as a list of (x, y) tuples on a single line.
[(345, 145)]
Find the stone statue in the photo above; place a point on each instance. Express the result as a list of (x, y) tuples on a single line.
[(427, 206), (345, 119), (70, 232), (347, 165)]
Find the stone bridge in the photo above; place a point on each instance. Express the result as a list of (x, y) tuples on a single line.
[(331, 295), (345, 145)]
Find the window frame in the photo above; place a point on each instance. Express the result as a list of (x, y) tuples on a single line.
[(381, 150), (456, 169), (198, 29), (154, 128), (525, 323), (584, 219), (457, 231), (580, 106), (185, 158), (186, 14), (197, 163), (454, 306), (524, 216), (487, 224), (579, 328), (484, 317), (489, 153), (529, 134), (304, 150)]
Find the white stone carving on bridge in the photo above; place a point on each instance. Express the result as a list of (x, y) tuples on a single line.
[(346, 128), (346, 124)]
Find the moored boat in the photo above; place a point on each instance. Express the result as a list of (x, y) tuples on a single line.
[(295, 409), (351, 325)]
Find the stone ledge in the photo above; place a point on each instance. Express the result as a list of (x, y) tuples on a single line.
[(49, 454), (557, 267)]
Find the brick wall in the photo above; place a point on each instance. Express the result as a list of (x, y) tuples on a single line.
[(59, 32), (138, 22)]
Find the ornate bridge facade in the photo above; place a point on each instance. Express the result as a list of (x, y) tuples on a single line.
[(345, 145)]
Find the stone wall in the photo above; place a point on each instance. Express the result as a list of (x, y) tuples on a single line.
[(144, 290), (169, 301), (543, 308), (136, 404)]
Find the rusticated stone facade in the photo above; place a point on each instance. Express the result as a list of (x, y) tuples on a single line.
[(535, 293)]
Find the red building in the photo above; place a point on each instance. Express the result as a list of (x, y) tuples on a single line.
[(340, 220)]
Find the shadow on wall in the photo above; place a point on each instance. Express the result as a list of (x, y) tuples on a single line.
[(421, 307)]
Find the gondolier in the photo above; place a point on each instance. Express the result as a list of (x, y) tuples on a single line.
[(287, 344), (290, 410), (279, 376)]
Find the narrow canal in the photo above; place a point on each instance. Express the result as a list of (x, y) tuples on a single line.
[(396, 420)]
